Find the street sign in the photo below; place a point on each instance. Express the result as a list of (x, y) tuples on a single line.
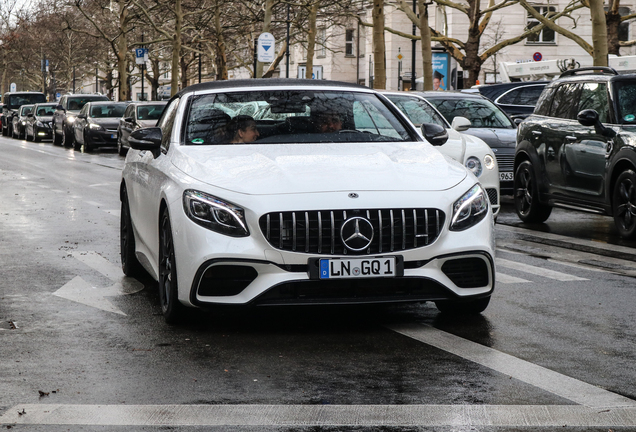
[(400, 56), (13, 87), (266, 48), (537, 56), (141, 55)]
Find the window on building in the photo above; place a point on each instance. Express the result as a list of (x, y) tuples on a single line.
[(349, 42), (545, 35), (322, 42)]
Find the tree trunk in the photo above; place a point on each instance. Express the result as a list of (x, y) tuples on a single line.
[(471, 62), (613, 22), (122, 55), (311, 40), (221, 55), (176, 48), (427, 54), (379, 53), (153, 80), (183, 65), (599, 33)]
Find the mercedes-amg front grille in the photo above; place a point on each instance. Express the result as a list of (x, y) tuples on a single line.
[(319, 231)]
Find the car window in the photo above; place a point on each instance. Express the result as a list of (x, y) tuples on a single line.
[(26, 110), (594, 96), (418, 110), (84, 110), (564, 101), (545, 101), (129, 111), (293, 116), (525, 96), (16, 101), (107, 111), (77, 103), (626, 96), (166, 123), (481, 112), (149, 112), (45, 110)]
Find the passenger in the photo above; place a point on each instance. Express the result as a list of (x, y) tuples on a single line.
[(242, 129), (328, 121)]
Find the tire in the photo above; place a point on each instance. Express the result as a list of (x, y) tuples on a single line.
[(35, 137), (120, 148), (173, 310), (129, 263), (526, 195), (67, 137), (57, 139), (624, 204), (88, 147), (473, 307), (77, 146)]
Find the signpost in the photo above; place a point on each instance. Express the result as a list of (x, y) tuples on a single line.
[(141, 56), (266, 48)]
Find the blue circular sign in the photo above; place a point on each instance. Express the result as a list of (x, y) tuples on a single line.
[(537, 56)]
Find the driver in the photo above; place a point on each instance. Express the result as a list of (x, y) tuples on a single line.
[(328, 120)]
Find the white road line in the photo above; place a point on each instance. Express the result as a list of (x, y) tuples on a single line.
[(93, 203), (507, 279), (551, 274), (320, 415), (579, 266), (554, 382)]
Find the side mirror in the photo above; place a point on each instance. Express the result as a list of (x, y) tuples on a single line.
[(146, 139), (128, 119), (60, 107), (30, 115), (81, 116), (589, 117), (517, 121), (460, 123), (435, 134)]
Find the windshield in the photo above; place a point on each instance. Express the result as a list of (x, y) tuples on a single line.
[(150, 112), (105, 111), (626, 92), (77, 103), (480, 112), (16, 101), (418, 111), (26, 109), (45, 110), (289, 116)]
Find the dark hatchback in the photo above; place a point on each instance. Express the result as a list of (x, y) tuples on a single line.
[(578, 149), (38, 123), (487, 121), (96, 125)]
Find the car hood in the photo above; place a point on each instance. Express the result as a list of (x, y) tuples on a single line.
[(107, 123), (275, 168), (147, 123), (44, 118), (495, 138)]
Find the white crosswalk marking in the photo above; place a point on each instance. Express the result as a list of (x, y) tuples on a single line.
[(504, 278), (550, 274)]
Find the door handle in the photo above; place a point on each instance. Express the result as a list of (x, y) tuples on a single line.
[(570, 138), (536, 133)]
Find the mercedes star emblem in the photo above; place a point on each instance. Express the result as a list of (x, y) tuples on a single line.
[(356, 233)]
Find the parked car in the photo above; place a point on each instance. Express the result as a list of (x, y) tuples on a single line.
[(96, 125), (137, 115), (38, 123), (486, 122), (301, 216), (12, 102), (517, 99), (66, 113), (578, 149), (19, 121), (468, 150)]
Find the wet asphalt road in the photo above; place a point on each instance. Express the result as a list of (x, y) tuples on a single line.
[(559, 334)]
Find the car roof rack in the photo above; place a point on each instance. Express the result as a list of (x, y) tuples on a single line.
[(602, 69)]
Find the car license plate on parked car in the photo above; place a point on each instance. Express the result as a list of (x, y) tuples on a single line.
[(506, 176), (338, 268), (113, 136)]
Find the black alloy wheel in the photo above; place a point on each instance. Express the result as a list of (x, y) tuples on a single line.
[(473, 307), (88, 147), (129, 263), (67, 137), (526, 195), (172, 309), (624, 204)]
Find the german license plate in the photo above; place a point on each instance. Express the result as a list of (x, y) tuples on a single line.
[(343, 268), (113, 136), (506, 176)]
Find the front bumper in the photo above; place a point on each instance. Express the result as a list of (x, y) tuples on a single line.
[(101, 138)]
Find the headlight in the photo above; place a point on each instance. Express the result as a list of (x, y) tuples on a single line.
[(215, 214), (23, 122), (39, 124), (489, 162), (70, 119), (474, 165), (469, 209), (95, 126)]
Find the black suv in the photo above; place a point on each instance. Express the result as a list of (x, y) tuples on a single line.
[(66, 113), (578, 149), (12, 103)]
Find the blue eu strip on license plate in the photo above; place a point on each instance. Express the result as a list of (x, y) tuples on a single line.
[(337, 268)]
